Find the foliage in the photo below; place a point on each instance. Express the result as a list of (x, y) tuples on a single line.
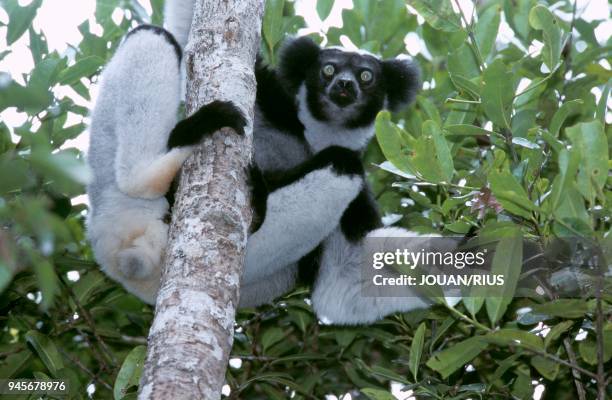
[(474, 154)]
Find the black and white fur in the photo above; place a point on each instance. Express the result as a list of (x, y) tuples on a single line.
[(312, 203), (310, 130), (136, 149)]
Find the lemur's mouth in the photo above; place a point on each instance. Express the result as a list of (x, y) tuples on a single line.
[(342, 97)]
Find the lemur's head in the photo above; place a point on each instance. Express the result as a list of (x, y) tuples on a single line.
[(345, 88)]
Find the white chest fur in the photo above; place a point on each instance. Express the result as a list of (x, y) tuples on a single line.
[(322, 134)]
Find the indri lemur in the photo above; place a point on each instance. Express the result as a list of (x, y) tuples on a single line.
[(314, 116), (136, 148)]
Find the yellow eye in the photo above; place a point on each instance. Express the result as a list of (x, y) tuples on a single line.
[(366, 76), (328, 70)]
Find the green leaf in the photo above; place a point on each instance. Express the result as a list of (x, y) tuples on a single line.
[(416, 350), (430, 157), (546, 367), (565, 308), (377, 394), (497, 93), (462, 62), (467, 130), (465, 86), (486, 29), (510, 193), (20, 19), (85, 67), (568, 166), (588, 351), (47, 281), (157, 17), (590, 140), (344, 337), (541, 18), (515, 337), (503, 366), (46, 350), (452, 358), (430, 109), (474, 299), (572, 212), (62, 166), (588, 347), (20, 176), (31, 99), (44, 73), (129, 374), (38, 45), (324, 7), (273, 23), (602, 106), (507, 261), (6, 143), (442, 155), (60, 136), (556, 331), (438, 13), (392, 142), (271, 336), (522, 387), (388, 25), (568, 109), (13, 364), (300, 318), (87, 285)]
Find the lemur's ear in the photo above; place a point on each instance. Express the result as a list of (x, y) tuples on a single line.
[(296, 57), (402, 82)]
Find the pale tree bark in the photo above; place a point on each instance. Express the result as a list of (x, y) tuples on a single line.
[(192, 333)]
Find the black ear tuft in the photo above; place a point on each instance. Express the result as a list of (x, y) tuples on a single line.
[(296, 57), (402, 81)]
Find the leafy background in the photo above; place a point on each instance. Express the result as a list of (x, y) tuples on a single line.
[(508, 139)]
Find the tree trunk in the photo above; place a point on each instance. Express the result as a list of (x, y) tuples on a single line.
[(192, 333)]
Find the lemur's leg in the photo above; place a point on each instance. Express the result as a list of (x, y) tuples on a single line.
[(268, 288), (129, 246), (144, 79), (337, 296), (304, 207)]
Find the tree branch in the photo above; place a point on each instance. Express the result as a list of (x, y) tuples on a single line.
[(192, 333)]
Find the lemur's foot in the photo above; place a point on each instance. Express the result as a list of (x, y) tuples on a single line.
[(207, 120)]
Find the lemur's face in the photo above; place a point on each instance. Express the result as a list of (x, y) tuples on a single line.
[(343, 86)]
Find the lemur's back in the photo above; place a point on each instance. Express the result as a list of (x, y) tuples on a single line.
[(278, 134)]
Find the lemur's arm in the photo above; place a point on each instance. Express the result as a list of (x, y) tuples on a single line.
[(151, 146), (304, 206)]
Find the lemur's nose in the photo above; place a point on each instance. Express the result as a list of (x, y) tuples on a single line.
[(345, 83)]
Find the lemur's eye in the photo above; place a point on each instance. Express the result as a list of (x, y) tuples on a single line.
[(366, 76), (328, 70)]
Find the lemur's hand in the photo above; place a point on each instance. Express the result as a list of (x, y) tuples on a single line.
[(207, 120)]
